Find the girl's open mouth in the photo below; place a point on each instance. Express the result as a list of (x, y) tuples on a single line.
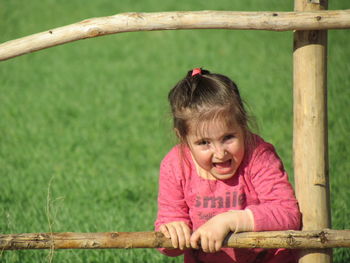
[(223, 165)]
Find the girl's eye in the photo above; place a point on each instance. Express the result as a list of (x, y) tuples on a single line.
[(229, 137), (204, 142)]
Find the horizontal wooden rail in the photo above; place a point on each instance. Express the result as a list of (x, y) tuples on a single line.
[(326, 238), (130, 22)]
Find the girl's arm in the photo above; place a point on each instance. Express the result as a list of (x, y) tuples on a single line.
[(173, 213), (278, 208)]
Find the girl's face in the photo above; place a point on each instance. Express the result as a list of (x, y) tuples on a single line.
[(218, 150)]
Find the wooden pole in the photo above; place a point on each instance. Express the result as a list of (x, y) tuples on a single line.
[(310, 145), (272, 239), (130, 22)]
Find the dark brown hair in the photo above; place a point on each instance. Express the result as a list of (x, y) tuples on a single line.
[(206, 96)]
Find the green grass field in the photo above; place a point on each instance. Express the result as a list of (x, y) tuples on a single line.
[(84, 126)]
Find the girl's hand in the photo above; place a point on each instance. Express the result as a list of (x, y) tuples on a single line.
[(178, 232), (212, 233)]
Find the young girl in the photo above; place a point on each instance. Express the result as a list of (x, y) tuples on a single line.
[(221, 177)]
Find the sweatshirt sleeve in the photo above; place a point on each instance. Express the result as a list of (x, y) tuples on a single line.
[(278, 208), (171, 200)]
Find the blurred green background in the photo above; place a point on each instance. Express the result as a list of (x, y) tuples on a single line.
[(84, 126)]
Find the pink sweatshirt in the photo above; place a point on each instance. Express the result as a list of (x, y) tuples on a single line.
[(260, 184)]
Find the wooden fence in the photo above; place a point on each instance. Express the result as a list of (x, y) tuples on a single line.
[(131, 22), (326, 238)]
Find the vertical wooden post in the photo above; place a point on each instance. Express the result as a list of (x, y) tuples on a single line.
[(310, 144)]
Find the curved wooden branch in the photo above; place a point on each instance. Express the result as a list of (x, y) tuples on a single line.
[(273, 239), (130, 22)]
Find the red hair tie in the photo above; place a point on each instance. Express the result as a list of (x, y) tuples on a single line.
[(196, 71)]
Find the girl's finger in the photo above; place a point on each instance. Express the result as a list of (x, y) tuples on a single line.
[(204, 244), (173, 236), (194, 240), (187, 233), (180, 236), (164, 231), (218, 245), (211, 245)]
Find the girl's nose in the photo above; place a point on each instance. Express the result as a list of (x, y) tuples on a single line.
[(219, 152)]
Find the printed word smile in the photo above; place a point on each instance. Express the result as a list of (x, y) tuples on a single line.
[(231, 199)]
